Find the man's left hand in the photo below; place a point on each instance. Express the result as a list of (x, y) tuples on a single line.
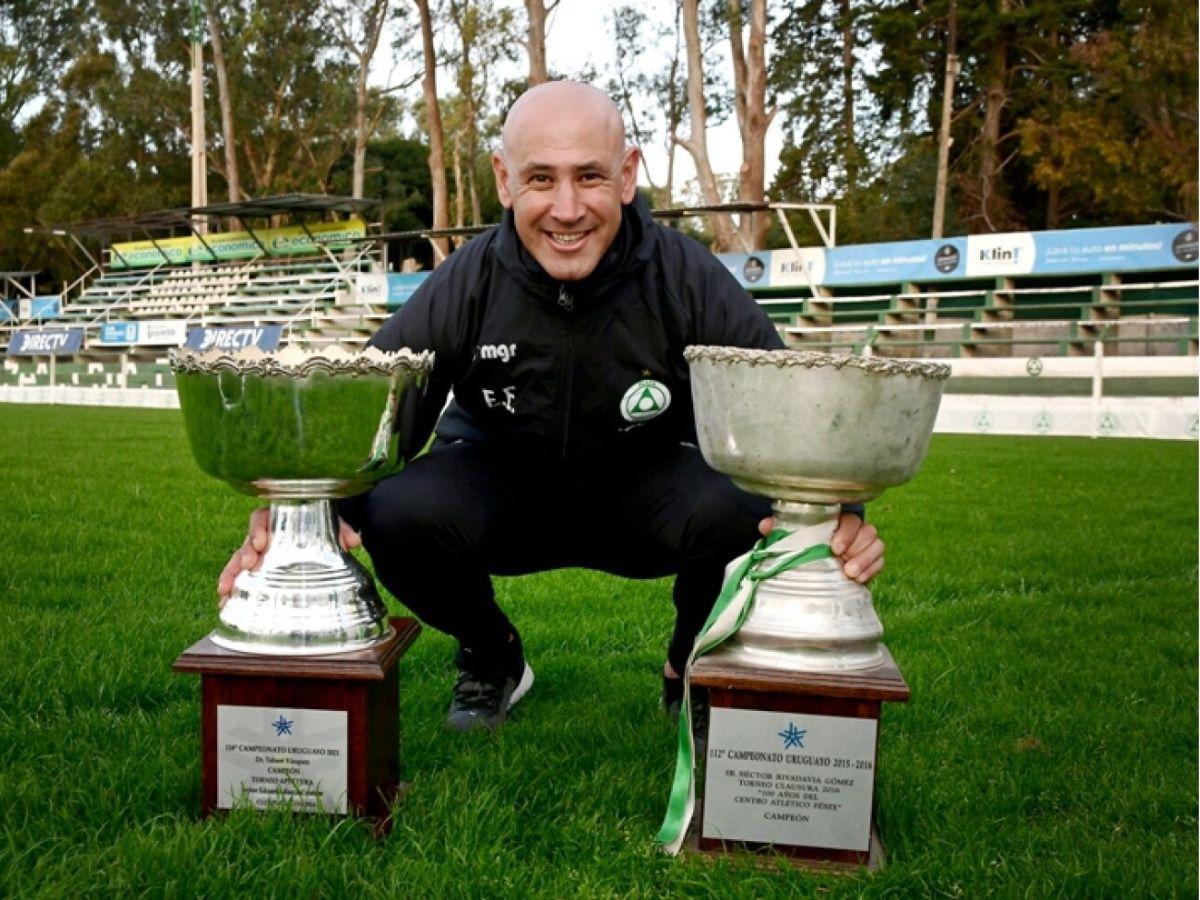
[(855, 542)]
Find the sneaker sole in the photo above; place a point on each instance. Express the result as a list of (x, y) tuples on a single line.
[(522, 687)]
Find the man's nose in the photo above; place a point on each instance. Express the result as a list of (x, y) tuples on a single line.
[(567, 207)]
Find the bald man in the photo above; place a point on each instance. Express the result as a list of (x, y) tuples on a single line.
[(570, 438)]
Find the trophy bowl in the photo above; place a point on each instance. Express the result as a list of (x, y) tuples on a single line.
[(811, 431), (300, 429)]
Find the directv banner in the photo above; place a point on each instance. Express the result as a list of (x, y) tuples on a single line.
[(57, 342), (1074, 251), (164, 333), (264, 337), (234, 244)]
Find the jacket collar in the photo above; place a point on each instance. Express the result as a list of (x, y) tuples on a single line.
[(630, 250)]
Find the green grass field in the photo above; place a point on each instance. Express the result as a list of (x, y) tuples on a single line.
[(1040, 597)]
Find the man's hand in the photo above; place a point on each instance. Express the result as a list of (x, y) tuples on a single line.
[(249, 556), (856, 542)]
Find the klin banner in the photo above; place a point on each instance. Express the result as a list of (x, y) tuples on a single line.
[(46, 342), (1124, 248)]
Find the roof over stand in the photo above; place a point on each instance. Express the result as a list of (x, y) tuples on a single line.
[(264, 207)]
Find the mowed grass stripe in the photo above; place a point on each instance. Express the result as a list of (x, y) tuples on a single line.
[(1040, 596)]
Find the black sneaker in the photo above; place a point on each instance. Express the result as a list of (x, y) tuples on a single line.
[(483, 695)]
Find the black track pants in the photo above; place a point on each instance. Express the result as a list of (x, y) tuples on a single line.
[(437, 531)]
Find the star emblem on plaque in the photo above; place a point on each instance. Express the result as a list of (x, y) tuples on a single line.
[(792, 737)]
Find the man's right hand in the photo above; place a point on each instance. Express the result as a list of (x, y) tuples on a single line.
[(249, 556)]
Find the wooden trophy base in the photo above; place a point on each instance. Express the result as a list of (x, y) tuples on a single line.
[(314, 733), (790, 761)]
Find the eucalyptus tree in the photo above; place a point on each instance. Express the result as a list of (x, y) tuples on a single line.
[(431, 111), (486, 34)]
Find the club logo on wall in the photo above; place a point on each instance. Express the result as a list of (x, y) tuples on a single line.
[(946, 259), (1043, 422), (753, 270), (1184, 246), (645, 400), (1108, 423), (983, 421), (1034, 366)]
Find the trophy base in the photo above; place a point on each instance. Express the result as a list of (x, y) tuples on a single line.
[(790, 763), (289, 648), (308, 734)]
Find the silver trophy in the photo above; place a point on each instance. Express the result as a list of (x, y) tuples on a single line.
[(812, 431), (299, 430)]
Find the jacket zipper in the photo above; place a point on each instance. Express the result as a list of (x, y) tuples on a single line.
[(567, 303)]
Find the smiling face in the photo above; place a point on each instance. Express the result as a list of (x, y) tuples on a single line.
[(564, 171)]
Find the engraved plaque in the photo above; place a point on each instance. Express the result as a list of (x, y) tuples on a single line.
[(789, 778), (281, 756)]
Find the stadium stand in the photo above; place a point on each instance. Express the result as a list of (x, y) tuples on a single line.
[(1089, 316)]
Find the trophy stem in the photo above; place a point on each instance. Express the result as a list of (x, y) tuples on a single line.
[(309, 597), (298, 525), (813, 618), (822, 518)]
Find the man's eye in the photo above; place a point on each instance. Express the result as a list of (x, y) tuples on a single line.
[(592, 177), (539, 179)]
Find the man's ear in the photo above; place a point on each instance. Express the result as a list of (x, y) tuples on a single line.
[(629, 166), (500, 170)]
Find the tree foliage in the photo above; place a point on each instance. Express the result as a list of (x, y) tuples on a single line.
[(1065, 113)]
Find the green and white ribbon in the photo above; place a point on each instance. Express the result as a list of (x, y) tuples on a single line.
[(778, 552)]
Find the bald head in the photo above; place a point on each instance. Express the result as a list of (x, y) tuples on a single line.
[(566, 173), (551, 105)]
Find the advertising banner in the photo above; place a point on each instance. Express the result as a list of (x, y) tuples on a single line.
[(371, 289), (47, 307), (1074, 251), (401, 285), (164, 333), (264, 337), (48, 342), (234, 244)]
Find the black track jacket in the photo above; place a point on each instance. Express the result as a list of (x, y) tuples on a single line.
[(590, 370)]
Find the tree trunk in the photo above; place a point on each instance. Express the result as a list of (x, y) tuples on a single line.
[(750, 94), (850, 144), (943, 162), (433, 124), (228, 138), (996, 95), (697, 142), (373, 18), (459, 198), (536, 42), (674, 113)]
